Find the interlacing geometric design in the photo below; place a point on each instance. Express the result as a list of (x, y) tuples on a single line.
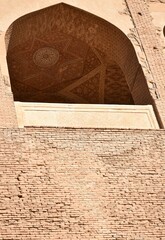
[(50, 65)]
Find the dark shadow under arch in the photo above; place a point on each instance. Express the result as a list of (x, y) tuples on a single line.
[(64, 49)]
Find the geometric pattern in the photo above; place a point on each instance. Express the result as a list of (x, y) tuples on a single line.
[(89, 90), (46, 57), (54, 66)]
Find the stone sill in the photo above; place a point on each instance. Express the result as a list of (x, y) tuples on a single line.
[(85, 115)]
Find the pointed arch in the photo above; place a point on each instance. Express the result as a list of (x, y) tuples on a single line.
[(92, 44)]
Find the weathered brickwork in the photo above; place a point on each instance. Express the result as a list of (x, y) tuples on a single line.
[(59, 183), (7, 110), (86, 184), (152, 48)]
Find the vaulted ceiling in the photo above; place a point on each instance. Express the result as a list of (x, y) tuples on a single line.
[(54, 66)]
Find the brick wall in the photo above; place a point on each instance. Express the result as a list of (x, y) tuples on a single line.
[(151, 44), (86, 184), (59, 183), (7, 110)]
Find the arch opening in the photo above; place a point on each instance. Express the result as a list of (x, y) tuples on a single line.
[(62, 54)]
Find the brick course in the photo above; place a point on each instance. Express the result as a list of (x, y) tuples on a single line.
[(59, 183)]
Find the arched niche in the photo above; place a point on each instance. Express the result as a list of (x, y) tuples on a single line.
[(64, 54)]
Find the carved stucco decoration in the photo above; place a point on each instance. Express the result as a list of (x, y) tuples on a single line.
[(46, 57), (51, 61)]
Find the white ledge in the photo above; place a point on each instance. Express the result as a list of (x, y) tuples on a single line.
[(85, 115)]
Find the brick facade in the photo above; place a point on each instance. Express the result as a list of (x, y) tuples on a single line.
[(59, 183), (86, 184)]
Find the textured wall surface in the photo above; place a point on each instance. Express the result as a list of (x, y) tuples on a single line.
[(59, 183), (151, 43), (7, 109), (86, 184)]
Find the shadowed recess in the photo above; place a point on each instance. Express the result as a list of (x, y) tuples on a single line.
[(65, 55)]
